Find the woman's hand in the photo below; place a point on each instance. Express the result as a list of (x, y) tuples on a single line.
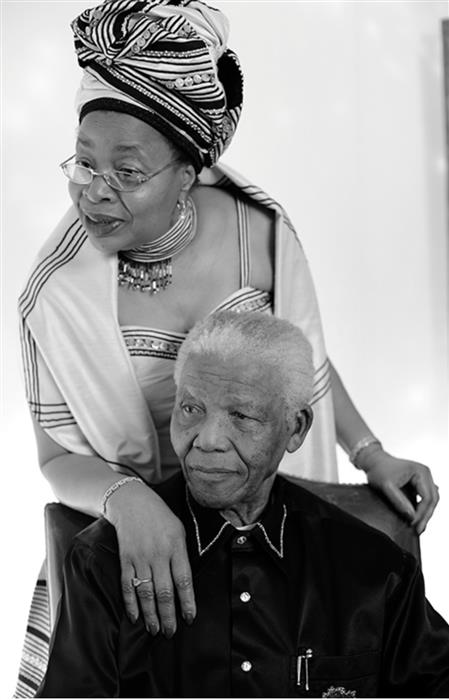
[(390, 474), (152, 548)]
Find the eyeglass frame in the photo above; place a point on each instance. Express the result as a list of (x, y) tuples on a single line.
[(143, 177)]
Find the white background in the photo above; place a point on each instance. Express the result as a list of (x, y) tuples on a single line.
[(343, 123)]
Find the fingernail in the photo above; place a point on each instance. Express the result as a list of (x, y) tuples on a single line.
[(133, 617), (152, 629), (168, 633), (188, 617)]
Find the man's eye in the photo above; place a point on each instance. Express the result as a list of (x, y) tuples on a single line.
[(189, 409), (240, 416)]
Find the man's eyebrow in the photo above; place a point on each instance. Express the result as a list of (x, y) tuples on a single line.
[(185, 393), (247, 405), (243, 403)]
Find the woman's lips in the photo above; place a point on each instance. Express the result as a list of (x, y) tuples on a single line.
[(101, 224)]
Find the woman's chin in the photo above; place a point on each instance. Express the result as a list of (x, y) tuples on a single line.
[(109, 244)]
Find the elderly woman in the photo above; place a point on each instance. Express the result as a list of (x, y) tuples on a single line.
[(159, 237)]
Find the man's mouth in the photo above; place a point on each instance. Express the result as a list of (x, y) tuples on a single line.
[(213, 472)]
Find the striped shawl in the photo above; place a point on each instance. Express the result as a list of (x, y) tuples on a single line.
[(80, 383)]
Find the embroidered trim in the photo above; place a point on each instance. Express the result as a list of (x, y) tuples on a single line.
[(34, 661), (142, 341), (339, 692), (153, 343), (201, 129), (197, 530), (248, 299), (201, 551), (279, 552)]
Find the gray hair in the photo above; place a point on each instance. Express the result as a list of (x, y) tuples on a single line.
[(269, 341)]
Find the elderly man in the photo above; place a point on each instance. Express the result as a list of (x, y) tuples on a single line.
[(295, 598)]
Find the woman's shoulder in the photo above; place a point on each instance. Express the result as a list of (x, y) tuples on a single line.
[(60, 246), (222, 203), (222, 217)]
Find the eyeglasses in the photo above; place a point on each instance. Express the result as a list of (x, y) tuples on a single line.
[(120, 180)]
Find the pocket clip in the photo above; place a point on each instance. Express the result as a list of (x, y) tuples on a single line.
[(299, 667)]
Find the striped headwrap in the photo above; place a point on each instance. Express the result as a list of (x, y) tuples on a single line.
[(165, 62)]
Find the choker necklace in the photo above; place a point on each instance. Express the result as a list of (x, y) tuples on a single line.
[(149, 268)]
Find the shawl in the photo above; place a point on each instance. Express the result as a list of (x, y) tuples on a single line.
[(79, 378)]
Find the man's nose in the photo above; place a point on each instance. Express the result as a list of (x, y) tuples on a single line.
[(98, 189), (211, 436)]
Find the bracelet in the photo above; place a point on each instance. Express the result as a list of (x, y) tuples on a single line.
[(113, 487), (360, 445)]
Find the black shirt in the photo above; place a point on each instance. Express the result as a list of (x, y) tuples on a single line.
[(307, 601)]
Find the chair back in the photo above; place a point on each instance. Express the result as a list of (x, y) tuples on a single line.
[(368, 505), (61, 525)]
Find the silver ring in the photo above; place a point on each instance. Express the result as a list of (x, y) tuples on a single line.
[(137, 581)]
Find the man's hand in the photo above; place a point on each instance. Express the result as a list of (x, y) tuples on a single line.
[(390, 474), (153, 551)]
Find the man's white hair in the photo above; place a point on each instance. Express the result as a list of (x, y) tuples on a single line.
[(264, 340)]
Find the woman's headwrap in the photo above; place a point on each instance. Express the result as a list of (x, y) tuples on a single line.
[(165, 62)]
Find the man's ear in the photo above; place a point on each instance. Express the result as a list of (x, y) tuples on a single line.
[(302, 423)]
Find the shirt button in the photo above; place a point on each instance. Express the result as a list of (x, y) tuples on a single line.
[(246, 666), (245, 596), (241, 539)]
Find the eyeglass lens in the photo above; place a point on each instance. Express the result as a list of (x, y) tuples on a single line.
[(116, 179)]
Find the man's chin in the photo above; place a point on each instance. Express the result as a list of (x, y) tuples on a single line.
[(211, 495)]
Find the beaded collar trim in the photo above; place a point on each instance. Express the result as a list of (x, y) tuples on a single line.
[(202, 550), (280, 551), (149, 268)]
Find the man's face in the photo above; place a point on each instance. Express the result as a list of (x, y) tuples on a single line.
[(229, 429)]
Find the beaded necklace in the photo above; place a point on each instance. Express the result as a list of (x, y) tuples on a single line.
[(149, 268)]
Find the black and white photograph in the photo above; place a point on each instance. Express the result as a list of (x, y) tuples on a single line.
[(224, 348)]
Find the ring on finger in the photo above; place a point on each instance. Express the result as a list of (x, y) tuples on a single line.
[(137, 581)]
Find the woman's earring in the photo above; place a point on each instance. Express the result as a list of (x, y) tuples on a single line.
[(181, 205)]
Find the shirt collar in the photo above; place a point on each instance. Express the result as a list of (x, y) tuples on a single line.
[(210, 528)]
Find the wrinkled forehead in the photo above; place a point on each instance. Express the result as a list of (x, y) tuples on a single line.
[(240, 378)]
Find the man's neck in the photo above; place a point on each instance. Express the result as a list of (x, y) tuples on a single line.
[(247, 513)]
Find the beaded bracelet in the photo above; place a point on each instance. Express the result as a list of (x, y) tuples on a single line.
[(113, 487), (360, 445)]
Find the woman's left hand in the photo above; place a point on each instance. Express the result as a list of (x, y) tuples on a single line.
[(390, 474)]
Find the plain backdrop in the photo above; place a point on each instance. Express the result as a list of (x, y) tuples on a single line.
[(343, 123)]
